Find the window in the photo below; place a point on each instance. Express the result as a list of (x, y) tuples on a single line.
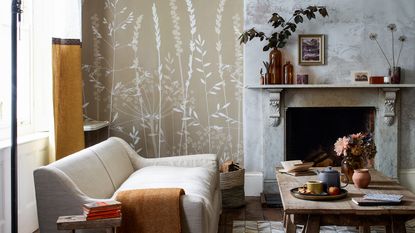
[(32, 64)]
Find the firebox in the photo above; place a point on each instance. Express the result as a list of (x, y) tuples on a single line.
[(312, 131)]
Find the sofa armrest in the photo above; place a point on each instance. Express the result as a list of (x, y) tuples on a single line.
[(56, 195)]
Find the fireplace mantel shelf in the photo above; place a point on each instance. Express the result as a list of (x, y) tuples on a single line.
[(275, 92), (328, 86)]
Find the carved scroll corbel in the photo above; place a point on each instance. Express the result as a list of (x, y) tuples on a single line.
[(390, 99), (275, 107)]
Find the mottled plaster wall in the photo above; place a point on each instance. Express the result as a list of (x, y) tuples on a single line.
[(167, 74), (348, 48)]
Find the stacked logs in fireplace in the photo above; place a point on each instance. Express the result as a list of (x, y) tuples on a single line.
[(323, 157)]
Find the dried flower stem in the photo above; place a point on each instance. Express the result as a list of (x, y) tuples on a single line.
[(383, 52), (399, 54), (393, 50)]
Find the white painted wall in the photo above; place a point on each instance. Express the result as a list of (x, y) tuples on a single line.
[(32, 153)]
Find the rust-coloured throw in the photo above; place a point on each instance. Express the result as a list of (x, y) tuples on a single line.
[(150, 210)]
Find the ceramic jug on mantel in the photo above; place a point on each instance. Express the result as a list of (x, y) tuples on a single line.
[(330, 178)]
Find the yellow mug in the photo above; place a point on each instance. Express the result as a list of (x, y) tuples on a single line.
[(314, 186)]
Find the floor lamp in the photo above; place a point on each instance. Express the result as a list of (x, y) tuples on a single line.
[(16, 11)]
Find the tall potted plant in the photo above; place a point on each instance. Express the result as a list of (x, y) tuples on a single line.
[(279, 38)]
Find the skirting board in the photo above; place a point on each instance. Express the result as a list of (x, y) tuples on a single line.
[(254, 183), (407, 178)]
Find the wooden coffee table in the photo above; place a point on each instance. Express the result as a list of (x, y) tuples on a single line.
[(313, 214)]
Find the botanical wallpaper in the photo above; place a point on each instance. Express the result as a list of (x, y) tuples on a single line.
[(167, 74)]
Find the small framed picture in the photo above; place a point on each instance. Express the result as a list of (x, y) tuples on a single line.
[(360, 76), (311, 50)]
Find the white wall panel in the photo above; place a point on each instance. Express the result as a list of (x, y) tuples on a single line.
[(31, 155)]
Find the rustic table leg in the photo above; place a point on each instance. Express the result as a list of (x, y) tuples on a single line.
[(285, 220), (398, 225), (313, 224), (291, 227), (364, 229)]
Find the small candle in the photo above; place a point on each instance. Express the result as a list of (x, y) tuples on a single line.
[(386, 79)]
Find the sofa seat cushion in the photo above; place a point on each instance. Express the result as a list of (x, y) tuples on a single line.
[(195, 181)]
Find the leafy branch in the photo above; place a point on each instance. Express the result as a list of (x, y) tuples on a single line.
[(287, 28)]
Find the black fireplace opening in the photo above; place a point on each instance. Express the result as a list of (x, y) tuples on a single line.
[(312, 131)]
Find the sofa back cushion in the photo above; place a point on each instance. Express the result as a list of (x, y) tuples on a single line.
[(86, 170), (115, 159), (98, 170)]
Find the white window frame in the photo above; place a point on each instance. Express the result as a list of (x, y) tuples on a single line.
[(36, 20)]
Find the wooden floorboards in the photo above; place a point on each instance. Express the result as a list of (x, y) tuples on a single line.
[(252, 211)]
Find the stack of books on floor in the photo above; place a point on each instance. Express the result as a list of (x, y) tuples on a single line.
[(375, 199), (102, 209)]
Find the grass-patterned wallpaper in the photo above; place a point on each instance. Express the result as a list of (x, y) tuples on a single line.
[(167, 74)]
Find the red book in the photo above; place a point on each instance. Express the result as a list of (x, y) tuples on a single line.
[(87, 211), (117, 215), (102, 213)]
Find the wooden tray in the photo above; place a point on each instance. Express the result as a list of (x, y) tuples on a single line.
[(318, 197)]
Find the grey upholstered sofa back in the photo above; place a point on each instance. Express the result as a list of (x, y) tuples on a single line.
[(98, 170)]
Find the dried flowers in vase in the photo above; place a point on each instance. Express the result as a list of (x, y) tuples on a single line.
[(394, 69), (360, 144), (357, 150)]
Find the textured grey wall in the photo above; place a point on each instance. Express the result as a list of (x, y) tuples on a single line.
[(348, 48)]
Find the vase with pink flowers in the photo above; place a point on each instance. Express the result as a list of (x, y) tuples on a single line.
[(357, 150)]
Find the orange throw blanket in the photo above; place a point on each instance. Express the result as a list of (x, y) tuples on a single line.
[(150, 210)]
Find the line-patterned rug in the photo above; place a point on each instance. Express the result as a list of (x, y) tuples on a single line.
[(278, 227)]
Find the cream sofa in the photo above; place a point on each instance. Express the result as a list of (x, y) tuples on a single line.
[(100, 171)]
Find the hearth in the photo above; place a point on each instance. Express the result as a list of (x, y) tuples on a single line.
[(312, 131)]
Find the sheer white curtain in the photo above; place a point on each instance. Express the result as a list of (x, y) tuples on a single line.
[(67, 77), (67, 19), (51, 19)]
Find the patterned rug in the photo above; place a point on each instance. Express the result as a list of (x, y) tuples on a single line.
[(277, 227)]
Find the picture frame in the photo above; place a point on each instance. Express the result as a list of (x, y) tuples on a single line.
[(311, 49), (361, 76)]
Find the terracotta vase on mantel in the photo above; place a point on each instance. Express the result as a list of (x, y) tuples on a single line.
[(275, 67)]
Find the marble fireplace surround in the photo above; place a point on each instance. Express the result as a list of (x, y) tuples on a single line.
[(268, 140)]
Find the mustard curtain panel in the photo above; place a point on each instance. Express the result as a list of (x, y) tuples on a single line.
[(67, 96)]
